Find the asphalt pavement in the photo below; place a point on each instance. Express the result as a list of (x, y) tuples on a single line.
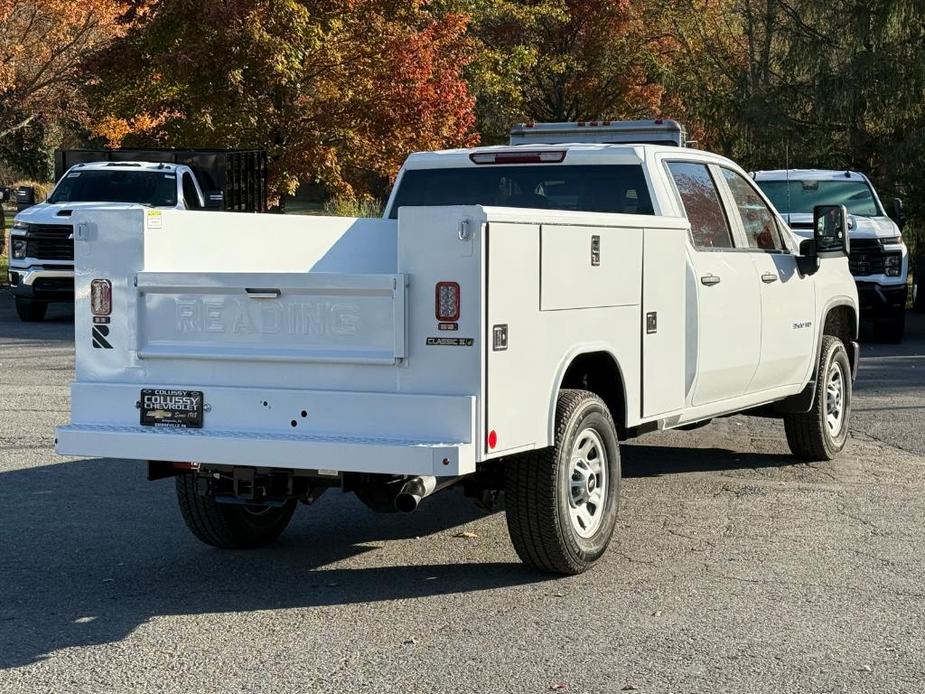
[(734, 568)]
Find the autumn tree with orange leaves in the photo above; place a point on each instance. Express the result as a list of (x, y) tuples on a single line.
[(337, 92), (42, 46)]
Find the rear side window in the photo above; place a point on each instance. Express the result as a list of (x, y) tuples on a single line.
[(709, 227), (757, 219), (586, 188)]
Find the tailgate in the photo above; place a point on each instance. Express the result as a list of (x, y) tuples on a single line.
[(299, 317)]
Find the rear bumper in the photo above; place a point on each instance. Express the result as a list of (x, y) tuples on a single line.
[(255, 449), (387, 433), (875, 298)]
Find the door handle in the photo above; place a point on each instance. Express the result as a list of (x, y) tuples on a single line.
[(709, 280), (769, 277)]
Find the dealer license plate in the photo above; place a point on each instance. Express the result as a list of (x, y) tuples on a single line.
[(161, 407)]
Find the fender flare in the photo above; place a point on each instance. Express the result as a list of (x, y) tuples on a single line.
[(562, 368)]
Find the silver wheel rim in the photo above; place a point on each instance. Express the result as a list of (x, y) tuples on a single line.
[(835, 399), (587, 482)]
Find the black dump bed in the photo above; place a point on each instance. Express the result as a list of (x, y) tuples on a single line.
[(241, 175)]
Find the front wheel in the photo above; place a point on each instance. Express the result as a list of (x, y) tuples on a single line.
[(821, 433), (30, 311), (230, 526), (561, 502), (918, 286)]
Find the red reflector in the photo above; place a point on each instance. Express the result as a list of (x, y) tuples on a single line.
[(446, 302), (492, 438), (101, 297), (550, 157)]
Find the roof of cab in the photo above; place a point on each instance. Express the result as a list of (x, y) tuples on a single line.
[(809, 175), (576, 153), (123, 166)]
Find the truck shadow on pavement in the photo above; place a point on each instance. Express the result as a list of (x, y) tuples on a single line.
[(89, 551), (647, 460)]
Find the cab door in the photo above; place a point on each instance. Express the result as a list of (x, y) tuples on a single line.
[(787, 299), (724, 340)]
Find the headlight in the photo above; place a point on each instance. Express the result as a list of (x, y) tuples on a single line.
[(18, 248), (892, 265), (892, 241), (19, 226)]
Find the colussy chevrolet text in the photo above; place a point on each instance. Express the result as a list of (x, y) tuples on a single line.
[(516, 312)]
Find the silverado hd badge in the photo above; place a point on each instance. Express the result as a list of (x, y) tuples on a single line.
[(171, 408)]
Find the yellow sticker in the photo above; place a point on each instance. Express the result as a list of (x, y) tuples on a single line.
[(154, 220)]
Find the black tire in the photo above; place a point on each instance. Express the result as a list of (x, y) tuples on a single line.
[(30, 311), (918, 286), (892, 328), (539, 490), (230, 526), (809, 434)]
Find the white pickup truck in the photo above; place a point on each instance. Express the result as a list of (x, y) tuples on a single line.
[(516, 313), (41, 251), (879, 259)]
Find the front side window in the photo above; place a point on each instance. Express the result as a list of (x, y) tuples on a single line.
[(709, 227), (757, 218), (190, 196)]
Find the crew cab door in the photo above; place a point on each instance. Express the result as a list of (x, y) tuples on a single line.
[(787, 299), (724, 340)]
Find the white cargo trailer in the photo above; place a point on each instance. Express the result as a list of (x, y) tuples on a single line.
[(514, 314)]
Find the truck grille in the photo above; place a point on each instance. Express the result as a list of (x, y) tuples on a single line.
[(866, 257), (50, 242)]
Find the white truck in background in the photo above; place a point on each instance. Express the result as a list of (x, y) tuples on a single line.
[(41, 267), (879, 259), (516, 313)]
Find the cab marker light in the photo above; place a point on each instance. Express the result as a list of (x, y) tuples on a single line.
[(543, 157)]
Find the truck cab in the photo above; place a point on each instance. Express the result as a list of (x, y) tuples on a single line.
[(41, 239), (879, 259)]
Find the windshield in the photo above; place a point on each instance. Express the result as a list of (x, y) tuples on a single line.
[(857, 196), (602, 188), (154, 188)]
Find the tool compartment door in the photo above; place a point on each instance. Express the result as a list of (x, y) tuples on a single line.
[(553, 290)]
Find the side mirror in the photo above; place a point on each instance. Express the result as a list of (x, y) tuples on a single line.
[(830, 230), (215, 200), (25, 197), (898, 214), (808, 260)]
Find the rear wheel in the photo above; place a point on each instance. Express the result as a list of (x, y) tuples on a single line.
[(30, 311), (821, 433), (230, 526), (561, 502)]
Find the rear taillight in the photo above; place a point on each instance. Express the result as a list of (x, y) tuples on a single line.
[(446, 301), (101, 297)]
